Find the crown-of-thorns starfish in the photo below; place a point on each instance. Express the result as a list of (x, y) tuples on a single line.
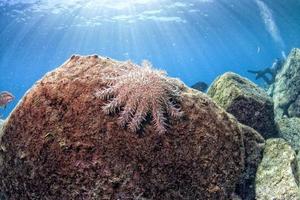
[(137, 92)]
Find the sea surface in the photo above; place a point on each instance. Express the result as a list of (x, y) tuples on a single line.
[(195, 40)]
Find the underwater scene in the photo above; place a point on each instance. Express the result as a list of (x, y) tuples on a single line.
[(150, 99)]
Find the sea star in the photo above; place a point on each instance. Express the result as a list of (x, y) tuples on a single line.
[(137, 92)]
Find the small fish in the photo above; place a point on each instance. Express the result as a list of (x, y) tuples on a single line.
[(5, 98)]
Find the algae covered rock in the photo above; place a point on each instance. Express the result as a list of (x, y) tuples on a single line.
[(254, 146), (277, 176), (60, 144), (286, 93), (289, 129), (246, 101)]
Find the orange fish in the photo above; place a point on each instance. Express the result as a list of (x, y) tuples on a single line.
[(5, 98)]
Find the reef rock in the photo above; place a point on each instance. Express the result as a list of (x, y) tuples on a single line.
[(201, 86), (286, 93), (246, 101), (277, 176), (254, 146), (289, 129), (60, 144)]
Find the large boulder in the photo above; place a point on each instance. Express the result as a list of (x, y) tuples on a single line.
[(286, 92), (277, 175), (246, 101), (289, 129), (59, 144)]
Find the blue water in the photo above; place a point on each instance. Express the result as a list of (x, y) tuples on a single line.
[(194, 40)]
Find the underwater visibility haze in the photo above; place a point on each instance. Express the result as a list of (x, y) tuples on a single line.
[(150, 99), (195, 40)]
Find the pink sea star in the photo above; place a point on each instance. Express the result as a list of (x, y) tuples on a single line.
[(137, 92)]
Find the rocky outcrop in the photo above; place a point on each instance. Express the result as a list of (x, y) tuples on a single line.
[(246, 101), (289, 129), (254, 146), (59, 144), (286, 92), (277, 175)]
